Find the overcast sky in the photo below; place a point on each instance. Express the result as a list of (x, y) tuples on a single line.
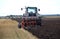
[(12, 7)]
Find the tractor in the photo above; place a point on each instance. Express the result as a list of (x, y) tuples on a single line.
[(30, 19)]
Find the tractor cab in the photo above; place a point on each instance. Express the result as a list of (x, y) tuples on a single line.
[(31, 11)]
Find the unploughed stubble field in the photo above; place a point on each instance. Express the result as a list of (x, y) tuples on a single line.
[(10, 30)]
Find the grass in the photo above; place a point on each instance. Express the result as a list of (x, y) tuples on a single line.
[(9, 30)]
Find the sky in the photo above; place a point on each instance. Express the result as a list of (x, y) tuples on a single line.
[(13, 7)]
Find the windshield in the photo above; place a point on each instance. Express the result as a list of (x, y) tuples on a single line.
[(31, 10)]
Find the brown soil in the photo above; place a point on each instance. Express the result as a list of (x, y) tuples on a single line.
[(50, 29)]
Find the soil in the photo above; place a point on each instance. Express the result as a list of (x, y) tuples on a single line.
[(49, 29)]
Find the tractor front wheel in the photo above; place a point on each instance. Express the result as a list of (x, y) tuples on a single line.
[(19, 25)]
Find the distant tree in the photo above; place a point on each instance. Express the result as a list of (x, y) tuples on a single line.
[(11, 16)]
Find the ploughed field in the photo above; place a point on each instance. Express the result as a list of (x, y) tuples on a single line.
[(50, 28), (10, 30)]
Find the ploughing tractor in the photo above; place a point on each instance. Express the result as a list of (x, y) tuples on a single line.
[(30, 18)]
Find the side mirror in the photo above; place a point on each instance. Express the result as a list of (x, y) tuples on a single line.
[(21, 8), (38, 9)]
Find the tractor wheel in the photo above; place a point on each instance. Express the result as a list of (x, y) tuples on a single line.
[(19, 26)]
